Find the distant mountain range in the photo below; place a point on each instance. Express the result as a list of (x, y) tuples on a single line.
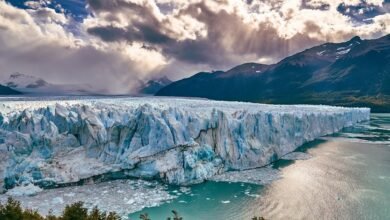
[(151, 87), (27, 84), (352, 73), (18, 83)]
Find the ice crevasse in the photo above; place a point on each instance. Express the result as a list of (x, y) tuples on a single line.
[(180, 141)]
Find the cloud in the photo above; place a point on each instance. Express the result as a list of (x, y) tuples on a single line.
[(227, 32), (363, 11), (121, 41), (139, 21), (36, 41)]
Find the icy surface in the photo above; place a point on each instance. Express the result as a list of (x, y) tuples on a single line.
[(259, 176), (297, 156), (121, 196), (28, 190), (180, 141)]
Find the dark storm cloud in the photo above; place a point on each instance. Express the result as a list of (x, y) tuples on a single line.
[(363, 12), (228, 34), (113, 5), (143, 28), (228, 37), (112, 43), (136, 32)]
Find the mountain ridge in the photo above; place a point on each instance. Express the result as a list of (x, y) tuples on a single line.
[(5, 90), (152, 86), (351, 73), (28, 84)]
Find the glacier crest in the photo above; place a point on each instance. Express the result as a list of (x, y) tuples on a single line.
[(181, 141)]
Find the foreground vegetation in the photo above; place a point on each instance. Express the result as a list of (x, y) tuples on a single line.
[(12, 210)]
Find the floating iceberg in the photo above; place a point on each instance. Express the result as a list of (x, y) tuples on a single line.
[(259, 176), (121, 196), (182, 141), (296, 156), (27, 190)]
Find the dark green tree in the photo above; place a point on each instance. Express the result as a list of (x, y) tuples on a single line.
[(11, 210), (75, 211), (144, 216), (50, 216), (113, 216), (175, 216)]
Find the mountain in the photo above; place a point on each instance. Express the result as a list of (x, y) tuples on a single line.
[(4, 90), (152, 86), (352, 73), (33, 85)]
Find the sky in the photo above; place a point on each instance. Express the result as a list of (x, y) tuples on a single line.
[(114, 44)]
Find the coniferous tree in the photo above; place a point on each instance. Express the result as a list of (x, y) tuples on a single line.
[(144, 216)]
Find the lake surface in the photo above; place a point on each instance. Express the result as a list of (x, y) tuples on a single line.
[(348, 177)]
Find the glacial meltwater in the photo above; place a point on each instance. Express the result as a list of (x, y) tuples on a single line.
[(346, 177)]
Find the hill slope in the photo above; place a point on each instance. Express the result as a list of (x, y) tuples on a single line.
[(352, 73), (4, 90), (152, 86)]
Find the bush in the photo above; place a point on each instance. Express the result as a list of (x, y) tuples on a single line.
[(12, 210), (175, 216), (75, 211)]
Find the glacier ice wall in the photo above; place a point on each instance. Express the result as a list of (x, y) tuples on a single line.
[(181, 141)]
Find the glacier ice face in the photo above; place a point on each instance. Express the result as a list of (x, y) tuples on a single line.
[(181, 141)]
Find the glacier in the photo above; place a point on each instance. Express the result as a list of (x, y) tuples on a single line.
[(51, 142)]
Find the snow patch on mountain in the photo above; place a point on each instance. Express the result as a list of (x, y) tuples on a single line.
[(35, 85), (321, 53), (342, 52), (18, 80)]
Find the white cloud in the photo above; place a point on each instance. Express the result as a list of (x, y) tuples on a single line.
[(127, 40), (36, 42)]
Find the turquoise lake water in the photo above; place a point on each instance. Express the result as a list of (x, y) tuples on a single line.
[(348, 177)]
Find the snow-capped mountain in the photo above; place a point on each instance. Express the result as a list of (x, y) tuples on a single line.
[(34, 85), (152, 86), (351, 73), (22, 81)]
